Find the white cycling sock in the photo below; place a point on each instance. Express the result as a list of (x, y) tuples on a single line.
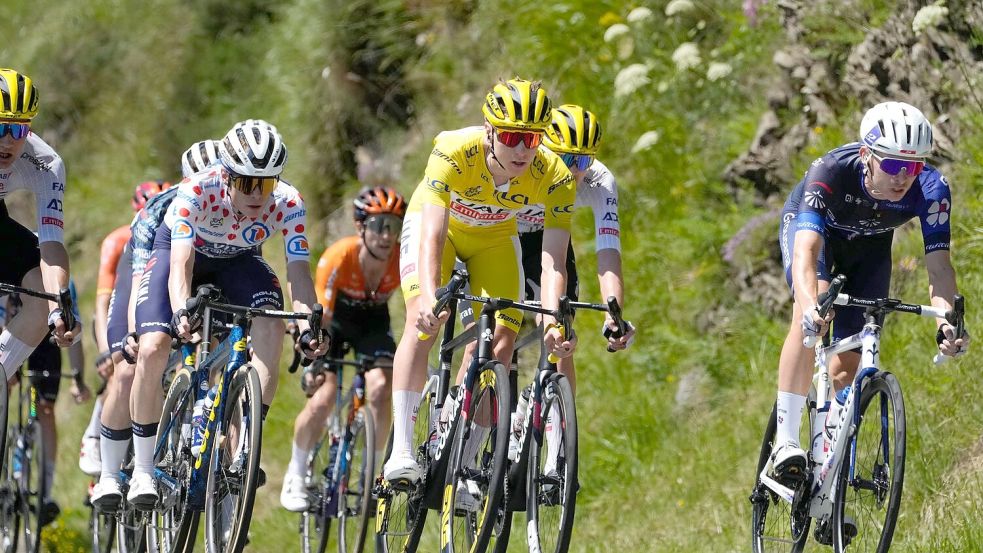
[(475, 441), (112, 449), (13, 352), (298, 460), (144, 443), (92, 431), (552, 430), (406, 403), (789, 410)]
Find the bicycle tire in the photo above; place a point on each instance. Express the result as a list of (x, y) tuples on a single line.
[(776, 525), (32, 483), (173, 529), (543, 489), (9, 509), (130, 531), (102, 527), (4, 406), (234, 471), (355, 488), (877, 486), (467, 530), (401, 514), (315, 524)]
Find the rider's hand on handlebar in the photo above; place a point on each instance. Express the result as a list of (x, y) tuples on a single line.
[(63, 337), (310, 347), (426, 322), (948, 343), (610, 329), (813, 325), (182, 326), (557, 344)]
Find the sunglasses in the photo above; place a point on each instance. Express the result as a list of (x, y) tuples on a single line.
[(513, 138), (381, 224), (15, 130), (249, 185), (581, 161), (893, 166)]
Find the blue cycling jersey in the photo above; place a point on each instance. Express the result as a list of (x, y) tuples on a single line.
[(832, 200), (144, 227)]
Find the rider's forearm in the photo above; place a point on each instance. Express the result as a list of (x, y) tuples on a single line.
[(609, 275), (941, 280), (179, 280), (76, 359), (805, 258), (554, 269), (301, 290), (433, 232), (54, 268), (102, 320)]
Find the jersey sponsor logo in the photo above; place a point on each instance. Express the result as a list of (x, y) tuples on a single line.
[(472, 191), (298, 246), (611, 201), (55, 204), (944, 180), (410, 268), (937, 246), (562, 182), (182, 230), (814, 199), (57, 187), (437, 153), (610, 216), (557, 209), (611, 231), (502, 317), (52, 221), (480, 213), (470, 155), (218, 249), (938, 213), (190, 199), (210, 232), (517, 198), (294, 215), (851, 199), (255, 233), (438, 186), (538, 167), (36, 162)]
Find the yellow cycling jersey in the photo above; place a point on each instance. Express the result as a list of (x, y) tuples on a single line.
[(458, 179)]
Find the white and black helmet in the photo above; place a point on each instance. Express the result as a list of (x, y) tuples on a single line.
[(896, 129), (253, 148), (198, 156)]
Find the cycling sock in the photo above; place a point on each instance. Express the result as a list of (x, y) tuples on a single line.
[(94, 428), (406, 403), (298, 460), (144, 442), (552, 430), (789, 409), (112, 449), (474, 443), (13, 352)]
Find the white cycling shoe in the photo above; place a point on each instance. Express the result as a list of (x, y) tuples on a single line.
[(293, 496), (402, 468), (90, 458), (143, 492), (788, 463), (106, 495), (467, 496)]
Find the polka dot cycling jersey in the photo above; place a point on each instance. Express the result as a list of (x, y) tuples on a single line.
[(202, 214), (39, 170), (831, 198)]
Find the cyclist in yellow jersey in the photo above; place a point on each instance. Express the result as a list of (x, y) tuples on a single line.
[(476, 180)]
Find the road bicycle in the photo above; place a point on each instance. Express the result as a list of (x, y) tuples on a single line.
[(341, 466), (223, 478), (855, 471)]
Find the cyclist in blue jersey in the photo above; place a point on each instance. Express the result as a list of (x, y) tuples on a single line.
[(840, 219)]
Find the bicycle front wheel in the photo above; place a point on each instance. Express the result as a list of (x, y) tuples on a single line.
[(315, 524), (174, 526), (357, 478), (102, 526), (9, 509), (33, 481), (475, 477), (777, 526), (552, 484), (868, 491), (233, 466)]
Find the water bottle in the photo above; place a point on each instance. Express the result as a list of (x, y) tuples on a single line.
[(17, 463), (434, 438), (199, 420), (518, 426), (820, 439), (331, 505)]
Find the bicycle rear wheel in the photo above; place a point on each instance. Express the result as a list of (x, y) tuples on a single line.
[(467, 523), (174, 526), (102, 527), (551, 498), (9, 492), (866, 503), (777, 526), (32, 483), (130, 531), (233, 466), (355, 486), (315, 524)]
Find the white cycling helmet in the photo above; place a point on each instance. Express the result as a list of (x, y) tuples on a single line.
[(896, 129), (198, 156), (253, 148)]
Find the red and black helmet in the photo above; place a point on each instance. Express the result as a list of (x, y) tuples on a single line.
[(379, 200), (146, 190)]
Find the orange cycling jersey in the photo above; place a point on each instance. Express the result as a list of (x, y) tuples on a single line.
[(112, 249), (340, 281)]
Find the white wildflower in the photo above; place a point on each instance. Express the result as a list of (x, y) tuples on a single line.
[(615, 32), (677, 7), (929, 17), (686, 56), (630, 79), (662, 87), (718, 70), (639, 15), (646, 141)]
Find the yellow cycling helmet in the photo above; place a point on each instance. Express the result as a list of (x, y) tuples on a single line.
[(518, 105), (18, 96), (574, 131)]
